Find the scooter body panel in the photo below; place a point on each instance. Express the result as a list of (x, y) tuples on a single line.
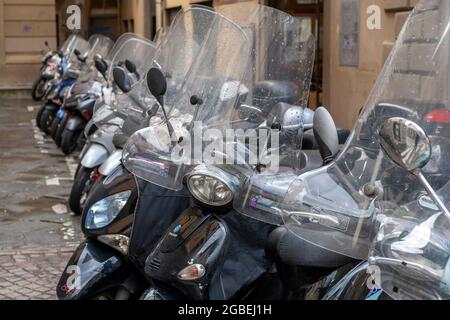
[(93, 269), (121, 181), (195, 238), (94, 156), (104, 139), (111, 164), (75, 123)]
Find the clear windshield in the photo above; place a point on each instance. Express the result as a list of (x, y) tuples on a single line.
[(99, 44), (202, 53), (160, 35), (278, 85), (341, 207), (115, 105), (74, 42)]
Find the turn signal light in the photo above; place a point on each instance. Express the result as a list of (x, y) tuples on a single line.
[(193, 272)]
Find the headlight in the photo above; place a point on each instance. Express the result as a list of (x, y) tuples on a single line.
[(103, 212), (211, 186)]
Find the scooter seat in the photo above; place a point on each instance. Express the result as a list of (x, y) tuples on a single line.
[(310, 143), (291, 250)]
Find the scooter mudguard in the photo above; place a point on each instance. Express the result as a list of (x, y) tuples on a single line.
[(194, 238), (75, 123), (95, 155), (95, 268), (104, 139), (228, 252), (111, 164), (51, 106)]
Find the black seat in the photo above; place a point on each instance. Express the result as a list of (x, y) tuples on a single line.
[(299, 262), (294, 251)]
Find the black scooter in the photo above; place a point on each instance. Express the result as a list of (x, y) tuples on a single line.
[(122, 222), (211, 252)]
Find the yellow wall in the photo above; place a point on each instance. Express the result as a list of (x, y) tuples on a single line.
[(26, 25), (346, 89)]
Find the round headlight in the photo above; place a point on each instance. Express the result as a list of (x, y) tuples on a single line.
[(103, 212), (210, 190)]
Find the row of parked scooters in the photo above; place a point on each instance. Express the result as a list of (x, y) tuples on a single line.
[(272, 201)]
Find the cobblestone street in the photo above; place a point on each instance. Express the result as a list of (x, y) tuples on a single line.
[(37, 232)]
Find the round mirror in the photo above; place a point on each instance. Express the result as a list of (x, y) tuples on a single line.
[(156, 82), (405, 143)]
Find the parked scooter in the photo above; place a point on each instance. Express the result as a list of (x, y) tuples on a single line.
[(49, 70), (136, 245), (58, 87), (79, 108), (112, 114), (211, 251), (343, 209), (51, 61)]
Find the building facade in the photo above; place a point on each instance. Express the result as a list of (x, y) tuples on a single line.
[(354, 38)]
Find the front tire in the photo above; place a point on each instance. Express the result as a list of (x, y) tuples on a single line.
[(54, 127), (69, 141), (38, 89), (46, 119), (61, 126), (80, 190), (39, 115)]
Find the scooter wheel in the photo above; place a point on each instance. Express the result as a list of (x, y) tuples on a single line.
[(69, 141), (54, 127), (38, 117), (60, 130), (80, 190), (38, 89), (47, 118)]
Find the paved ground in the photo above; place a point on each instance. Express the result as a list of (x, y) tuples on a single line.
[(37, 233)]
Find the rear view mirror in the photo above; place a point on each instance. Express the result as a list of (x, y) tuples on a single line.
[(122, 79), (101, 65), (130, 66), (406, 144), (156, 83), (77, 52)]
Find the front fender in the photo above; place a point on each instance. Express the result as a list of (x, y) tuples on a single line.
[(113, 162), (94, 156), (75, 123), (95, 268)]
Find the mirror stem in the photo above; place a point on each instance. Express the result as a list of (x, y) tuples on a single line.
[(169, 126), (418, 173)]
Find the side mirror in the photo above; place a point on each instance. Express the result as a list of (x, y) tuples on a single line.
[(406, 144), (130, 66), (326, 135), (101, 65), (157, 84), (121, 79)]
